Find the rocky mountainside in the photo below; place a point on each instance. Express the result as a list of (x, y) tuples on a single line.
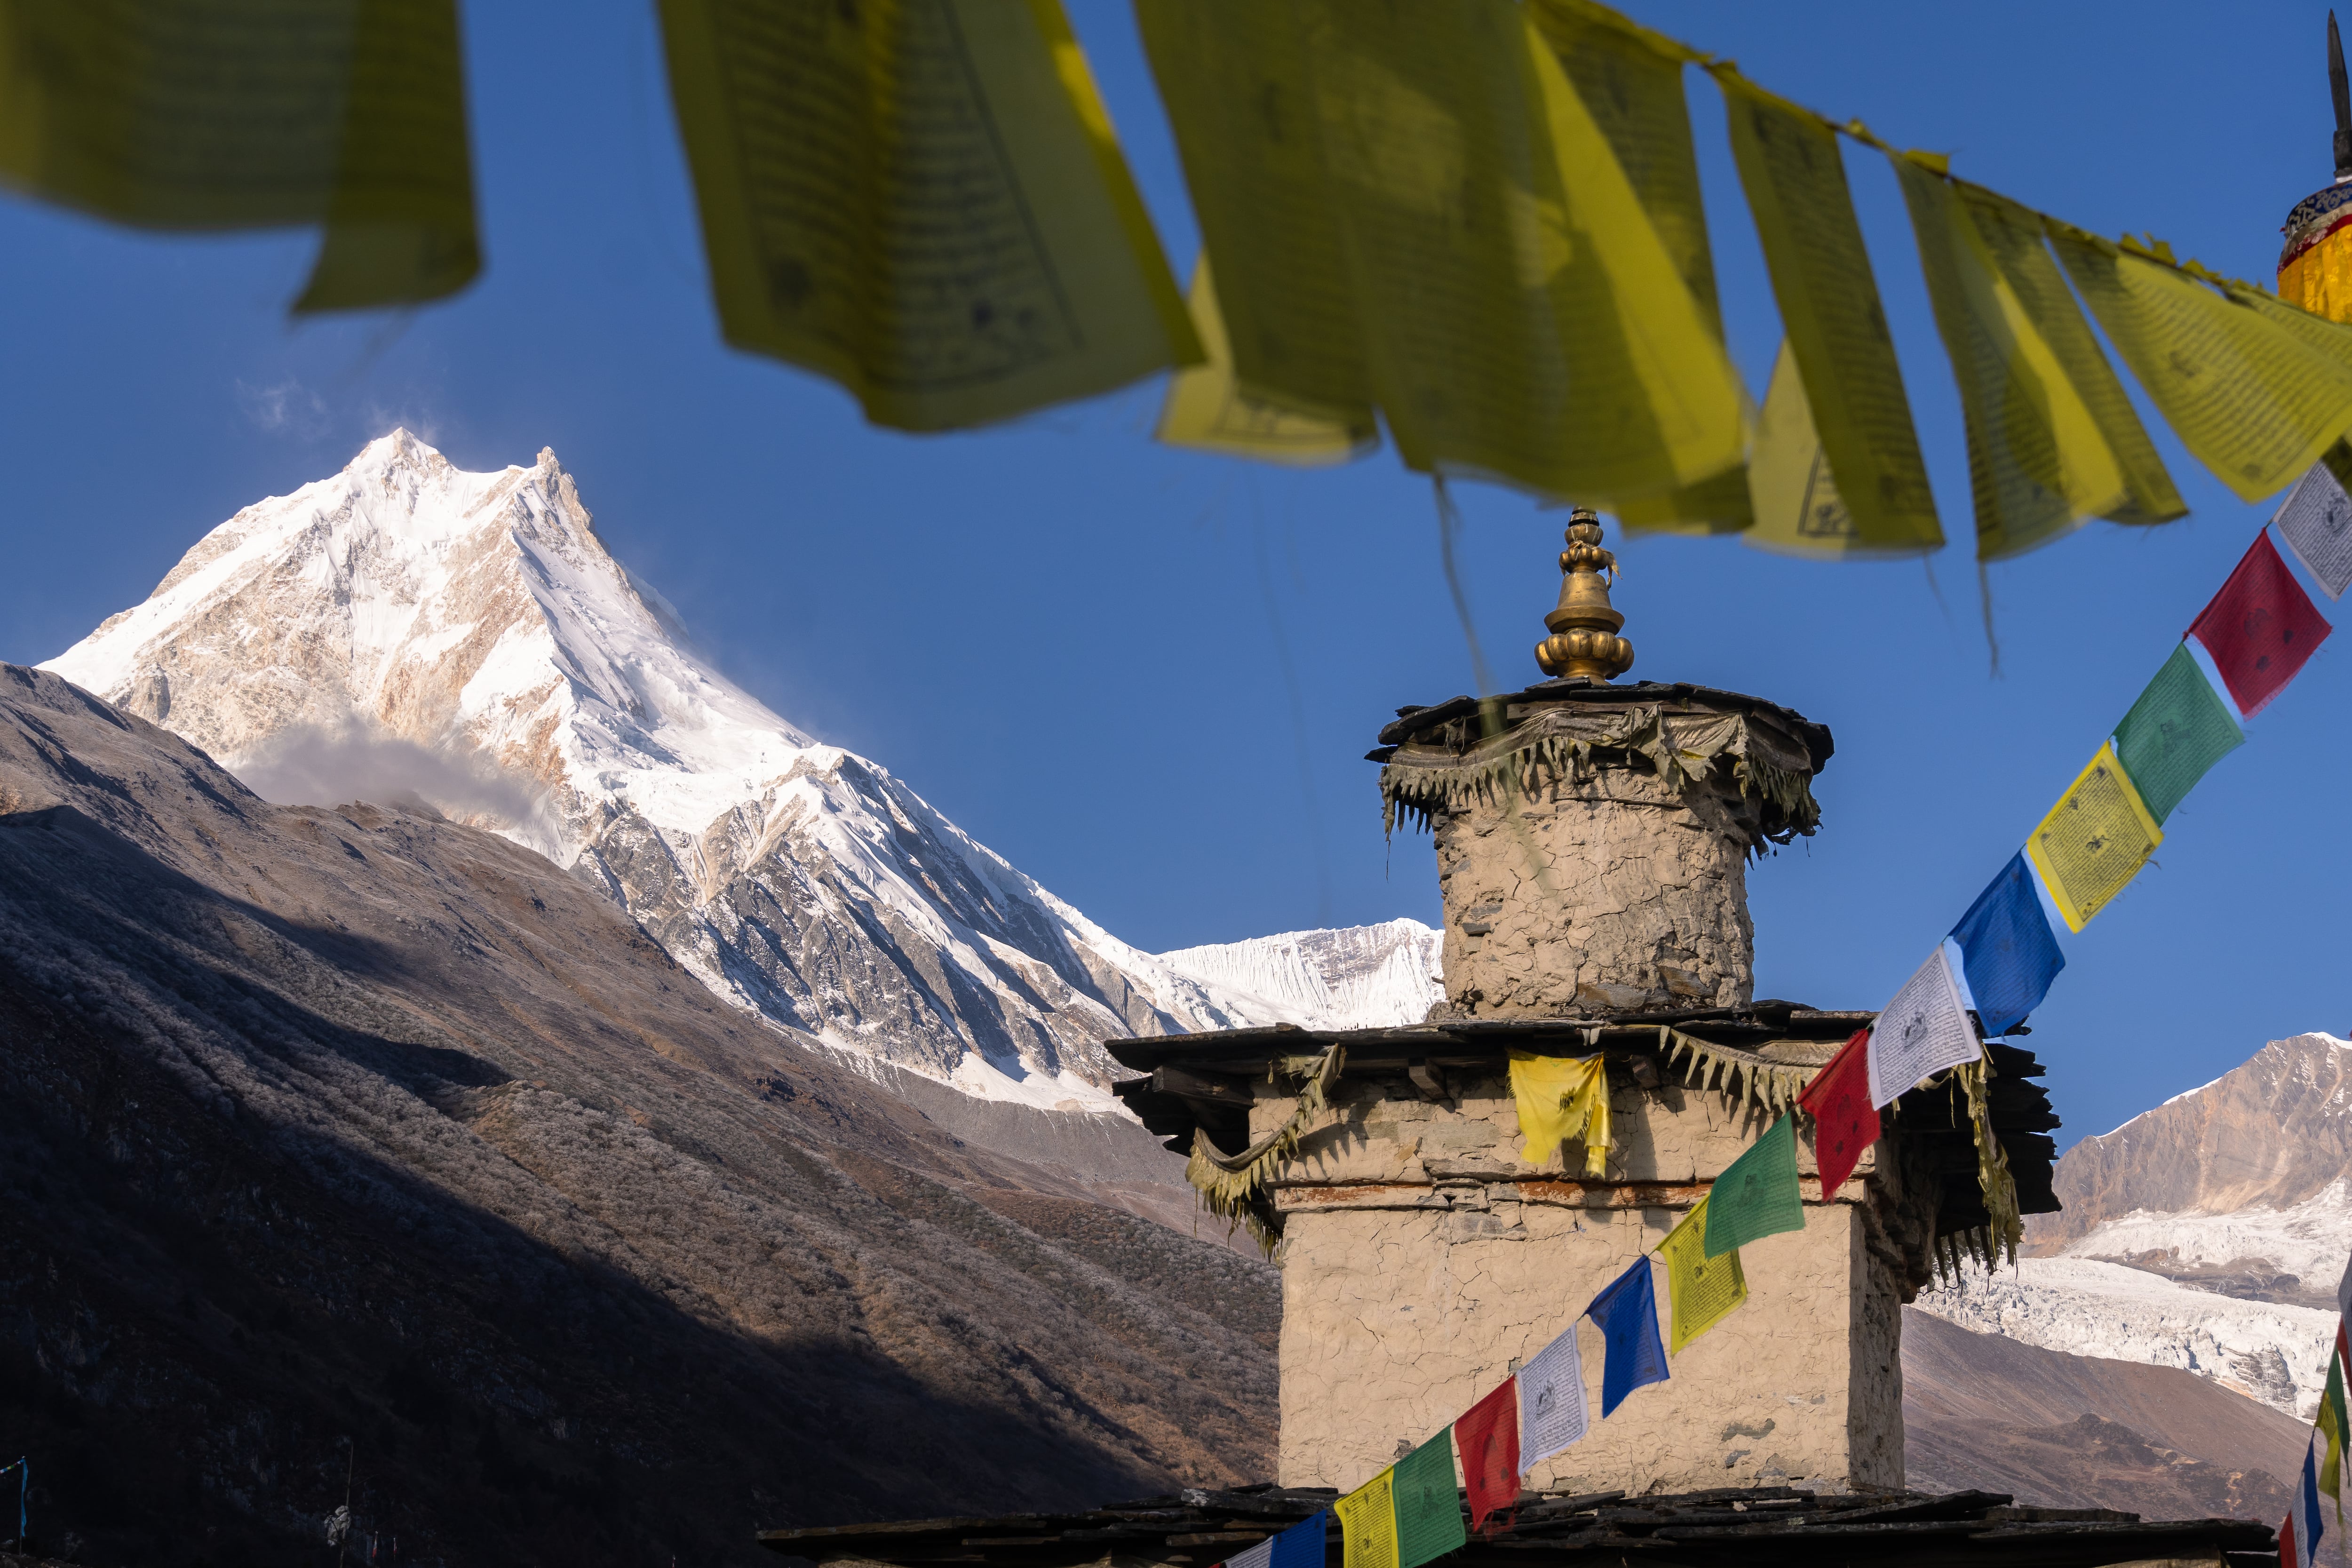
[(466, 638), (2207, 1234), (2240, 1185), (359, 1139), (1360, 977), (2067, 1431)]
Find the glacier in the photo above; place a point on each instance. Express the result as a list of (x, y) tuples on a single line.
[(405, 611)]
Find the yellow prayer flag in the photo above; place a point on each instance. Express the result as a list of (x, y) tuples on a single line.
[(219, 114), (1234, 78), (1631, 80), (2037, 463), (1559, 1098), (1368, 1523), (1703, 1289), (1207, 408), (1795, 180), (1797, 510), (2094, 840), (2248, 400), (2013, 235), (921, 199), (1524, 320)]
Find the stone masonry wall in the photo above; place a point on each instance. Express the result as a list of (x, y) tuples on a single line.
[(1423, 1263), (1646, 904)]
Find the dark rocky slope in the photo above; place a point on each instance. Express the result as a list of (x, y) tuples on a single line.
[(319, 1125), (2068, 1431)]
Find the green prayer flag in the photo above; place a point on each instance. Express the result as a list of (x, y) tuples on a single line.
[(1757, 1195), (2178, 729), (1428, 1509)]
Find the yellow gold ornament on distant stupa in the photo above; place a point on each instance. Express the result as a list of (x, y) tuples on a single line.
[(2314, 267), (1584, 639)]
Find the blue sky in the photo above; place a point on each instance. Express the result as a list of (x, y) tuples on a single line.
[(1147, 676)]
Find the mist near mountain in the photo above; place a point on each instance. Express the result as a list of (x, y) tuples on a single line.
[(328, 764)]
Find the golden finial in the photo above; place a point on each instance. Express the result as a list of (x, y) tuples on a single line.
[(1584, 639)]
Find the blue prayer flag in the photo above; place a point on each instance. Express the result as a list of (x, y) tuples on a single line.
[(1300, 1546), (2307, 1506), (1627, 1315), (2007, 949)]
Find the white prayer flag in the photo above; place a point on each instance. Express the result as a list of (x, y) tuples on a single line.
[(2315, 520), (1552, 1413), (1924, 1030), (1258, 1556)]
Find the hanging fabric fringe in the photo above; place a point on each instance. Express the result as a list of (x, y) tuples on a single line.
[(2006, 1227), (1554, 745), (1233, 1187), (1773, 1086)]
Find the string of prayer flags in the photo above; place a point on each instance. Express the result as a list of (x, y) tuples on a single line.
[(1428, 1510), (1924, 1030), (2300, 1536), (1559, 1098), (1300, 1546), (1368, 1531), (2333, 1424), (1552, 1388), (2259, 628), (1844, 1120), (2176, 729), (2014, 235), (1233, 76), (1525, 322), (252, 114), (2094, 840), (1631, 80), (1626, 1312), (1208, 407), (2008, 952), (1487, 1434), (922, 200), (1792, 494), (1757, 1195), (2315, 520), (1701, 1290), (1408, 1514), (1796, 185), (2038, 462), (2247, 399)]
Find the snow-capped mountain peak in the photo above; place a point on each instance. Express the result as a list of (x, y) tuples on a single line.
[(467, 637)]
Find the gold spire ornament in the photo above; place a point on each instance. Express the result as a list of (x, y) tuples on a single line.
[(1584, 639)]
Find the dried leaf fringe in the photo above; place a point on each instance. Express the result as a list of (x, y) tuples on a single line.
[(1233, 1187)]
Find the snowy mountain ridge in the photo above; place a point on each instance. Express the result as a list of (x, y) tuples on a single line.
[(2208, 1232), (465, 638), (1351, 978)]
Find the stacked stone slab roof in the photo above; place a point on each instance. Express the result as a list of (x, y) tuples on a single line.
[(1753, 1527)]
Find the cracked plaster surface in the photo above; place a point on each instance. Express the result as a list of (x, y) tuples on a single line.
[(1616, 891)]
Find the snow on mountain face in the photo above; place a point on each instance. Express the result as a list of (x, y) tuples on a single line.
[(1360, 977), (405, 609), (2271, 1352), (2237, 1186)]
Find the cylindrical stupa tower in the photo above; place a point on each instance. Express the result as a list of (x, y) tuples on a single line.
[(1593, 839)]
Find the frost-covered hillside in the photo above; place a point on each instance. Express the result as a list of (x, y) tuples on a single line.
[(2268, 1350), (1360, 977), (408, 628), (2209, 1233)]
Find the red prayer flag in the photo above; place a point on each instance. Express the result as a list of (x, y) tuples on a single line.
[(1845, 1121), (2260, 627), (1487, 1436)]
